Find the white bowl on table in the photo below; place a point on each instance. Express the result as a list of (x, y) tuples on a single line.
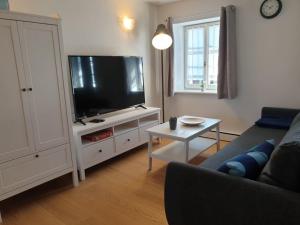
[(192, 120)]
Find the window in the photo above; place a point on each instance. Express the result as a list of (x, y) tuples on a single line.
[(196, 47)]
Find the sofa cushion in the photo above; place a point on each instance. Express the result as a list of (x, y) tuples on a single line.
[(283, 169), (271, 112), (293, 134), (296, 120), (242, 144), (278, 118), (249, 164), (279, 123)]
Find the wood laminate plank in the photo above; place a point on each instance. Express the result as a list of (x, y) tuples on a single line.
[(117, 192)]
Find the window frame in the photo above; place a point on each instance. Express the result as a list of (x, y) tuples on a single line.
[(186, 28)]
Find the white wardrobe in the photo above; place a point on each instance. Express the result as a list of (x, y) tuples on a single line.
[(35, 122)]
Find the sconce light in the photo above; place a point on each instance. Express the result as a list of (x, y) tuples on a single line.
[(128, 23)]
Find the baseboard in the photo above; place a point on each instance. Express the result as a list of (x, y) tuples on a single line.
[(223, 135)]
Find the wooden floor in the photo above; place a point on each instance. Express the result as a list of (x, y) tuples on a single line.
[(118, 192)]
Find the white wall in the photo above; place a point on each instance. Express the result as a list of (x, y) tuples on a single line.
[(92, 27), (268, 63), (268, 50)]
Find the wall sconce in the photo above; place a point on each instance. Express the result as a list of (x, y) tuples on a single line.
[(127, 23)]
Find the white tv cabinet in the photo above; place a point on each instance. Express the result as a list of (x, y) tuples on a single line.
[(128, 131)]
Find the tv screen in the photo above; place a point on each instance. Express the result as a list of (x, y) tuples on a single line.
[(103, 84)]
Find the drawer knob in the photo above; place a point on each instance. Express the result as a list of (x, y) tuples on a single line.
[(128, 139), (100, 150), (36, 156)]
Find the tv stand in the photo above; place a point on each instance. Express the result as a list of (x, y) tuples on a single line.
[(80, 121), (140, 106), (127, 131), (97, 121)]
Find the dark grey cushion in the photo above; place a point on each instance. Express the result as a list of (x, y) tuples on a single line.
[(272, 112), (293, 134), (296, 120), (283, 169), (253, 136)]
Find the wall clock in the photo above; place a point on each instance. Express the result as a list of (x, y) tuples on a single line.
[(270, 8)]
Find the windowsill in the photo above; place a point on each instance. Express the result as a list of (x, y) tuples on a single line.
[(195, 92)]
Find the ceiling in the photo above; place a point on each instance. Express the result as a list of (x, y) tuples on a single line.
[(160, 2)]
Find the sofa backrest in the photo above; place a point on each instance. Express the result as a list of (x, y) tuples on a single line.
[(283, 169), (279, 112)]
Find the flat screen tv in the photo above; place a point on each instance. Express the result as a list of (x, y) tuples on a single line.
[(103, 84)]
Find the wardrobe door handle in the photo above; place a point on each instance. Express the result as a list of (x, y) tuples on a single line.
[(36, 156), (100, 151), (29, 89), (23, 89)]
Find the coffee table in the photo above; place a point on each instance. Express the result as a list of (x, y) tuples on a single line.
[(187, 141)]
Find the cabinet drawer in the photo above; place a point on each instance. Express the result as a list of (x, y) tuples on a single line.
[(97, 153), (28, 169), (143, 134), (127, 141)]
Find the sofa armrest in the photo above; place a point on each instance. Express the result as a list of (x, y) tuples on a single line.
[(197, 196), (279, 112)]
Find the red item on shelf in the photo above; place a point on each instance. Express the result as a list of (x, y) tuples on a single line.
[(98, 136)]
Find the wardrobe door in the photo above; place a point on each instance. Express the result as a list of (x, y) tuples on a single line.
[(16, 138), (43, 70)]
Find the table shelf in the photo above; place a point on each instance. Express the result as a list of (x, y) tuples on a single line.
[(176, 152)]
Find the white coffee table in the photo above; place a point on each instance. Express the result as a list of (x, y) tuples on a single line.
[(187, 143)]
